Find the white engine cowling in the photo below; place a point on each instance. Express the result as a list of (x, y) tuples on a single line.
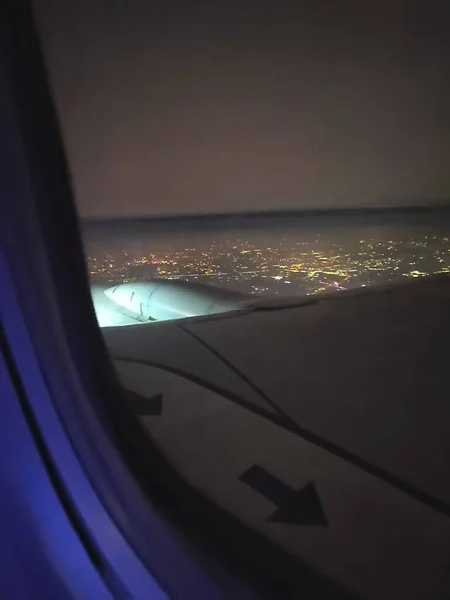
[(162, 299)]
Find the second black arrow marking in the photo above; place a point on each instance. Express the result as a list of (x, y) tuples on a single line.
[(296, 507), (145, 406)]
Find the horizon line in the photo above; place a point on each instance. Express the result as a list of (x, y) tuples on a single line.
[(440, 205)]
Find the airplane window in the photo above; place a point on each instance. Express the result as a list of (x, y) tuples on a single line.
[(263, 198)]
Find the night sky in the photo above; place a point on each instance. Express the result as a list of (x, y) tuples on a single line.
[(195, 107)]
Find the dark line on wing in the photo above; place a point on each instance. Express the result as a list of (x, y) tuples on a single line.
[(263, 412), (237, 372), (309, 436)]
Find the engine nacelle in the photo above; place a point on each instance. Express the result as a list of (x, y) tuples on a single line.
[(164, 299)]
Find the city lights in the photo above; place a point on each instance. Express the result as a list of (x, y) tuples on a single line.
[(259, 264)]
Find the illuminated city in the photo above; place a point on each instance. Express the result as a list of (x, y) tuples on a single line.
[(285, 260)]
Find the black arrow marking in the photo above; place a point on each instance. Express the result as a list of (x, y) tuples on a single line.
[(299, 507), (143, 405), (287, 423)]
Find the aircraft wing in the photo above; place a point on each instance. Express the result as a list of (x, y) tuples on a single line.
[(323, 426)]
